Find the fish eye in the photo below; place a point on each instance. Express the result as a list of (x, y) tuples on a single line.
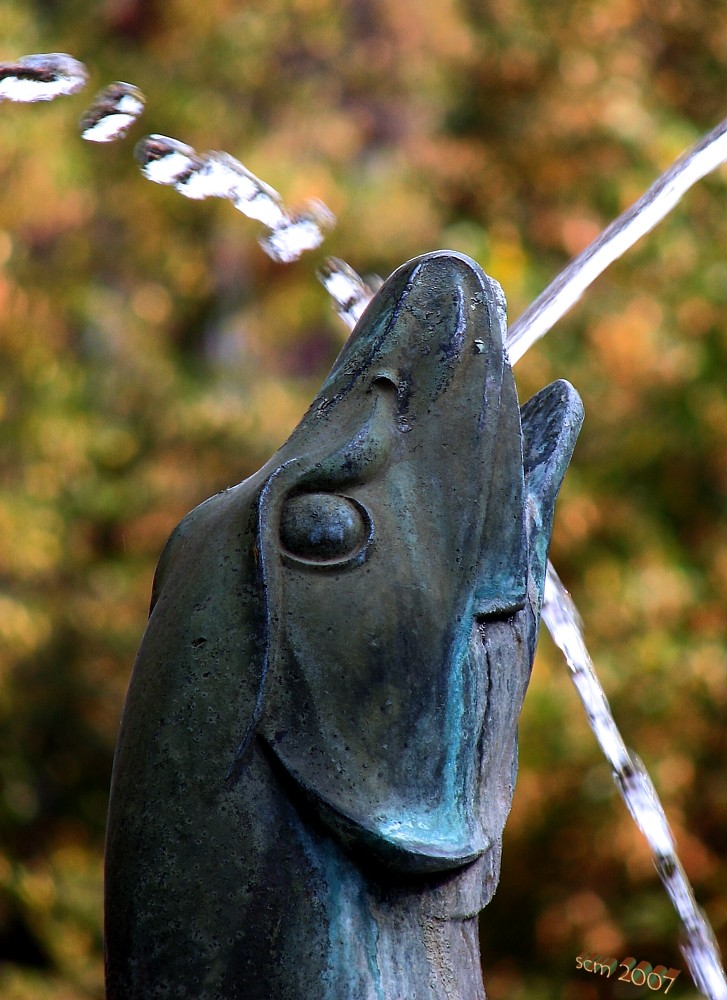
[(325, 529)]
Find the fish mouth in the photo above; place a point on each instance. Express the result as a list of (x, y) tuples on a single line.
[(448, 308), (412, 844)]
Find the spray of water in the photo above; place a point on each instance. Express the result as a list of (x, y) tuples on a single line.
[(298, 231), (219, 175), (164, 160), (348, 290), (41, 77)]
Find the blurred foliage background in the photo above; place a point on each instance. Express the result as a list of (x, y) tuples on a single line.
[(151, 354)]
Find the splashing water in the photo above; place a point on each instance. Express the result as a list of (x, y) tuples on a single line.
[(350, 293), (113, 112), (41, 77), (208, 175), (219, 175), (699, 947), (166, 161), (298, 232)]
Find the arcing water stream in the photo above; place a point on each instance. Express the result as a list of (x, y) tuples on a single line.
[(698, 945)]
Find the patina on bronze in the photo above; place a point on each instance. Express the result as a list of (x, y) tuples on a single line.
[(319, 744)]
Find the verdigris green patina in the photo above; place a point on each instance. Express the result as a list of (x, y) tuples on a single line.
[(319, 744)]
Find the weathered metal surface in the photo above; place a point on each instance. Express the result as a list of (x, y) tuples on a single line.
[(319, 745)]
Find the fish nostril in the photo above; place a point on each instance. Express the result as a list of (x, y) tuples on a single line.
[(385, 381)]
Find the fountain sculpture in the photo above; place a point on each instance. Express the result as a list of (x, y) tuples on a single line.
[(318, 750)]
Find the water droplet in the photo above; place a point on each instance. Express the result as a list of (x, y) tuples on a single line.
[(350, 293), (298, 232), (217, 175), (164, 160), (263, 203), (41, 77), (112, 113)]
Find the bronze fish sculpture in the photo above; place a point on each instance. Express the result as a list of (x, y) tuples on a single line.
[(319, 745)]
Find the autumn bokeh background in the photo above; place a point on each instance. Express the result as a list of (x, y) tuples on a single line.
[(151, 354)]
